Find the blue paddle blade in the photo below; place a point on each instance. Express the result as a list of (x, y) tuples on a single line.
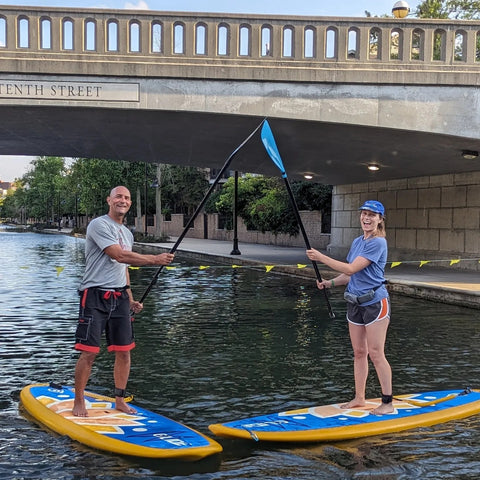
[(271, 147)]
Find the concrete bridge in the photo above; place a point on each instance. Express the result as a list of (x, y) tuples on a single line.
[(341, 94)]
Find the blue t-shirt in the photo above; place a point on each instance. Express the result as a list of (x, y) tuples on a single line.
[(374, 249)]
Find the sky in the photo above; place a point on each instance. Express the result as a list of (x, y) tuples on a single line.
[(12, 167)]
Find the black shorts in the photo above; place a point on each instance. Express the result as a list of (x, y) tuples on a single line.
[(104, 310), (359, 315)]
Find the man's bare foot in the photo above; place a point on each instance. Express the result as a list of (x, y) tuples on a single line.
[(121, 405), (383, 409), (355, 403), (79, 409)]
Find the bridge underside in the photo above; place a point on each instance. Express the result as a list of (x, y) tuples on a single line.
[(335, 154)]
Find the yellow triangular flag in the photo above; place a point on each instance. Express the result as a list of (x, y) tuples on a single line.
[(424, 262), (395, 264), (453, 262), (203, 267), (59, 270), (300, 265), (269, 267)]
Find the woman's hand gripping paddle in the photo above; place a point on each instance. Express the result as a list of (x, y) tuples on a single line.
[(272, 150)]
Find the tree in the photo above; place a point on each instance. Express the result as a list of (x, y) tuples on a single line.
[(13, 205), (454, 9), (183, 188), (315, 196), (264, 205), (96, 178), (43, 185), (50, 190)]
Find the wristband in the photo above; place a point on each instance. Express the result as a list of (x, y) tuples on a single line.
[(332, 282)]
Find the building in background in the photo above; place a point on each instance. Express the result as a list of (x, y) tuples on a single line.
[(4, 187)]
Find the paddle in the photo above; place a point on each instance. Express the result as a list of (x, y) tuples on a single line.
[(272, 150), (199, 208)]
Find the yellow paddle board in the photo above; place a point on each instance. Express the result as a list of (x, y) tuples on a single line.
[(332, 422), (143, 434)]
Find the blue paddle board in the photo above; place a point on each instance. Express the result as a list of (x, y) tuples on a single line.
[(143, 434), (332, 422)]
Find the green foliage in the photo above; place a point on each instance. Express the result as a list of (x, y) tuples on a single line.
[(8, 206), (272, 212), (42, 187), (264, 205), (455, 9), (83, 187), (183, 188), (50, 190), (312, 196), (94, 179)]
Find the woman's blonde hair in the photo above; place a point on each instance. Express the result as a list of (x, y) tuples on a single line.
[(381, 229)]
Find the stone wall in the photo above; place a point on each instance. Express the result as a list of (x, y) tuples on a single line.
[(427, 218), (206, 226)]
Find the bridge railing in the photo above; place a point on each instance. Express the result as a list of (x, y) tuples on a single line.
[(257, 47)]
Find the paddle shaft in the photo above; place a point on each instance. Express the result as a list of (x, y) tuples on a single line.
[(198, 209), (307, 243)]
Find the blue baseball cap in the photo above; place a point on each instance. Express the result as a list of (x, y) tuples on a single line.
[(373, 206)]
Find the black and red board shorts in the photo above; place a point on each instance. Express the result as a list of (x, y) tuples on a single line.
[(104, 310)]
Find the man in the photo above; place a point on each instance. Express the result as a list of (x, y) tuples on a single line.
[(106, 299)]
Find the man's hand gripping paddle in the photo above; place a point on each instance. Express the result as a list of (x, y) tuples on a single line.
[(272, 150)]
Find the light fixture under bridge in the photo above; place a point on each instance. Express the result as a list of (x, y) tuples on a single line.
[(469, 154)]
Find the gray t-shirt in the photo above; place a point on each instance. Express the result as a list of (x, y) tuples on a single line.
[(101, 270)]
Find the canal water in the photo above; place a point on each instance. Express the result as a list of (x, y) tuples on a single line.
[(218, 344)]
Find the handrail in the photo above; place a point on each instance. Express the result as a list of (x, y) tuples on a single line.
[(276, 47)]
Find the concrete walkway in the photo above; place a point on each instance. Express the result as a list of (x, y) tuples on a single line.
[(442, 284)]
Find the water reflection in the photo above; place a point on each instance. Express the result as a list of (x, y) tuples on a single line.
[(218, 344)]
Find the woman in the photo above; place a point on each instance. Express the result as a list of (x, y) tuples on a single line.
[(368, 309)]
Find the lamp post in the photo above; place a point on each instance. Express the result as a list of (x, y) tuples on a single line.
[(235, 250), (158, 201), (145, 193)]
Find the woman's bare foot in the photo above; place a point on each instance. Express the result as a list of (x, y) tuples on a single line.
[(355, 403), (123, 406), (383, 409)]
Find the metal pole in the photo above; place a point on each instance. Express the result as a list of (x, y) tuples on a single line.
[(158, 202), (146, 192), (235, 250)]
